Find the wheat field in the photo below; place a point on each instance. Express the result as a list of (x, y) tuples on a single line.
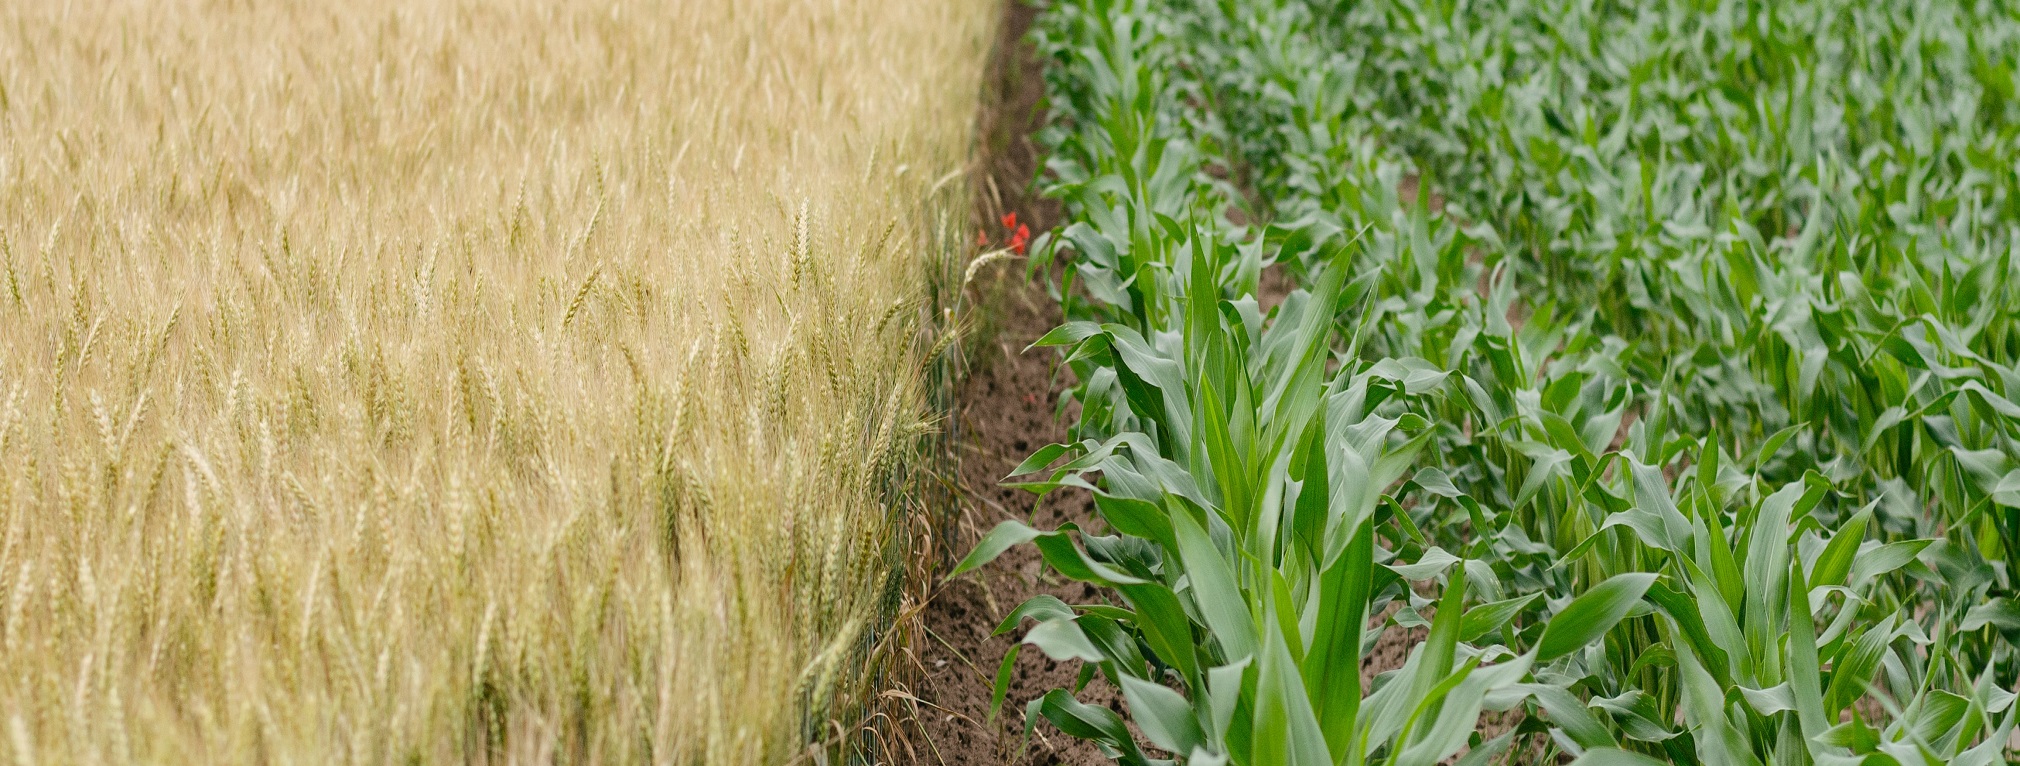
[(463, 382)]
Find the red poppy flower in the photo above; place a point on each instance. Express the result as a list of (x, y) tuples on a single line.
[(1010, 220), (1020, 239)]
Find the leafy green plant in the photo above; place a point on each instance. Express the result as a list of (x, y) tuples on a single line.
[(1669, 343), (1247, 511)]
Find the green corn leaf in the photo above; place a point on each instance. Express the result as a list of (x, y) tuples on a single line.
[(1116, 645), (1154, 384), (1067, 334), (1487, 751), (1283, 611), (1805, 674), (1874, 561), (1063, 640), (1286, 730), (1421, 739), (1937, 715), (1655, 516), (1487, 618), (1224, 460), (1293, 397), (1638, 715), (1068, 559), (1460, 705), (1416, 376), (1164, 715), (1853, 735), (1835, 563), (1332, 667), (1165, 626), (1723, 628), (1769, 701), (1994, 747), (1690, 620), (1719, 742), (1309, 514), (1441, 645), (1228, 702), (1569, 713), (1434, 562), (1004, 670), (1214, 589), (1774, 443), (1138, 518), (1653, 530), (1592, 614), (1002, 538), (1040, 459), (1716, 559), (1767, 568), (1088, 722), (1106, 612), (2001, 613), (1610, 757), (1418, 691), (1041, 607), (1853, 670)]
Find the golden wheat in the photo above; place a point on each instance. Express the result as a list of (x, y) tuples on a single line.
[(454, 381)]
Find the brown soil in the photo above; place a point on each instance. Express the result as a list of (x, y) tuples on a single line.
[(1005, 410)]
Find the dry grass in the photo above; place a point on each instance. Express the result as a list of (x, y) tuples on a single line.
[(461, 381)]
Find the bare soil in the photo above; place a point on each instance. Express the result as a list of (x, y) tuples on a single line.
[(1005, 409)]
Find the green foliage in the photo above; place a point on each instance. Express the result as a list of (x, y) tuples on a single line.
[(1656, 357)]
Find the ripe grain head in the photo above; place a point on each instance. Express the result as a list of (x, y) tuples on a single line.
[(460, 381)]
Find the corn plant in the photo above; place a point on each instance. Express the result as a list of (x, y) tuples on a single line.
[(1247, 510)]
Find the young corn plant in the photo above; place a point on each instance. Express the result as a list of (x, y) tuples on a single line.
[(1246, 516)]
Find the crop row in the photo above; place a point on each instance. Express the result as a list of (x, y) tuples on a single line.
[(1655, 357)]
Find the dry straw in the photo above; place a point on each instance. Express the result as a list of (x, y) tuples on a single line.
[(460, 382)]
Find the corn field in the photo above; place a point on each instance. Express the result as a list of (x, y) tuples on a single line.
[(1655, 362)]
